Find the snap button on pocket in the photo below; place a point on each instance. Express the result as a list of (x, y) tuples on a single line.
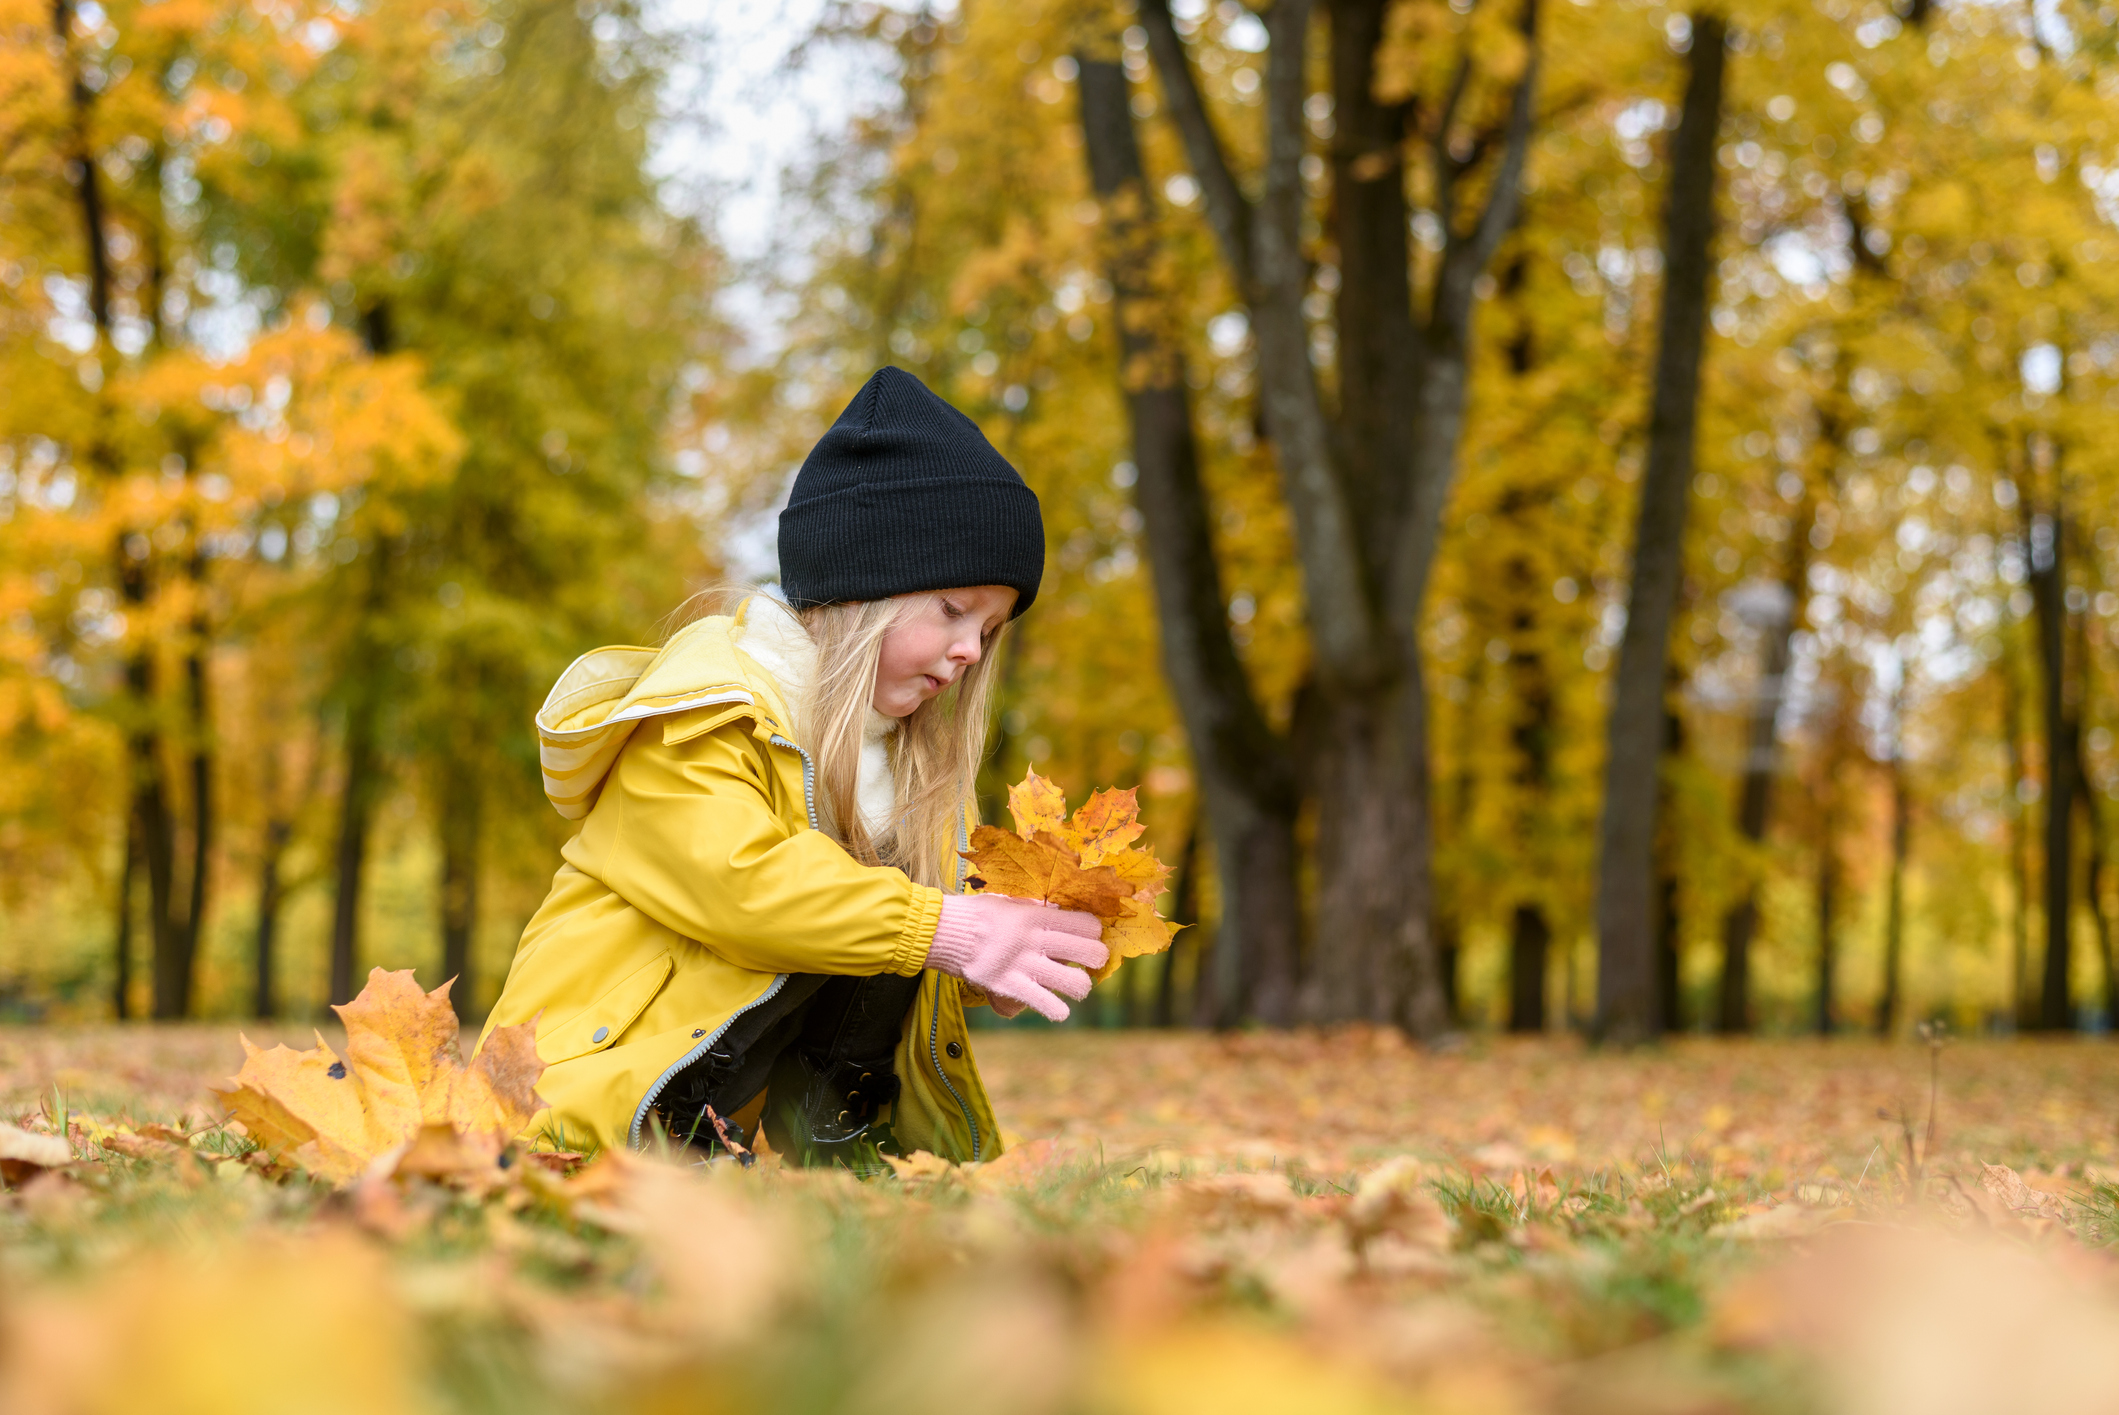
[(698, 1033), (955, 1050), (599, 1034)]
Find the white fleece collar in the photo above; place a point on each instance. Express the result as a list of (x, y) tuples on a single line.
[(776, 640)]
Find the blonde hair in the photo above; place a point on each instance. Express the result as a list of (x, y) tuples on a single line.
[(934, 753)]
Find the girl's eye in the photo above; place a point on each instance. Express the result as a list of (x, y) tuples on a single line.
[(952, 610)]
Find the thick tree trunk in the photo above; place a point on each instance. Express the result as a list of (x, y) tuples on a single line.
[(1628, 1008), (356, 806), (1247, 788), (1375, 956), (1379, 344), (2048, 583), (462, 818), (121, 985), (1382, 964)]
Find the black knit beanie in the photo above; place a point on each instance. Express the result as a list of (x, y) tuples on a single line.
[(903, 494)]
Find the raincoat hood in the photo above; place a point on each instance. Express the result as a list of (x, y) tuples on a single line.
[(759, 658)]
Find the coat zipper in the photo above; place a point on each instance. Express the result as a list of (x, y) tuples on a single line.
[(934, 1025), (654, 1092), (934, 1054)]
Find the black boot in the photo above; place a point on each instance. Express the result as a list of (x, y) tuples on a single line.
[(828, 1089)]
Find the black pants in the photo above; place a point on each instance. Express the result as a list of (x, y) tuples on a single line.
[(824, 1043)]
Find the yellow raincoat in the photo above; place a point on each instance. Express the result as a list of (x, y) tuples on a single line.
[(697, 884)]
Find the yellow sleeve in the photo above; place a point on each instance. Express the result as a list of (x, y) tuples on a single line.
[(687, 834)]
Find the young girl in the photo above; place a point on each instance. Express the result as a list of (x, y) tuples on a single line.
[(762, 914)]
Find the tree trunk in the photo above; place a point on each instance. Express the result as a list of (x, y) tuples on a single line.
[(2093, 891), (1669, 980), (2086, 792), (1247, 790), (1889, 1006), (1529, 944), (151, 828), (356, 806), (1828, 885), (121, 987), (1627, 1003), (87, 175), (1761, 766), (1184, 909), (150, 811), (462, 817), (183, 965), (2019, 842), (2048, 583), (1375, 956), (264, 1000)]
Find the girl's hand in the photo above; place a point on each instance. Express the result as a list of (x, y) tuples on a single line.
[(1018, 950)]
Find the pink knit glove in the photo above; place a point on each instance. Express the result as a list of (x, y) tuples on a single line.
[(1018, 950)]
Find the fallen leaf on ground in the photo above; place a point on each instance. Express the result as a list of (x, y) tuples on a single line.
[(920, 1167), (402, 1072), (24, 1153), (1782, 1221), (2019, 1198)]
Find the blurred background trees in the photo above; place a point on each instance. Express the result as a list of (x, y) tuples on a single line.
[(1576, 514)]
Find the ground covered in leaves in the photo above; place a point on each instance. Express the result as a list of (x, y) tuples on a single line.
[(1185, 1223)]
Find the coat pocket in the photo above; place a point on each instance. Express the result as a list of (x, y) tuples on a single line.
[(603, 1021)]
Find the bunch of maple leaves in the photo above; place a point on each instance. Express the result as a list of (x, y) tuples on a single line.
[(1086, 861)]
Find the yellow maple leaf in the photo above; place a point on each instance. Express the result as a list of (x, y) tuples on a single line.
[(1086, 862), (402, 1073), (1037, 804), (1135, 933)]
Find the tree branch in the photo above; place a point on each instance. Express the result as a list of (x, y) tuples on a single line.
[(1228, 209), (1464, 257), (1447, 168)]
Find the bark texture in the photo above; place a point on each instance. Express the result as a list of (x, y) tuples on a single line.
[(1629, 1006)]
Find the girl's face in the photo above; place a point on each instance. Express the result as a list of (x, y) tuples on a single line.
[(930, 648)]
